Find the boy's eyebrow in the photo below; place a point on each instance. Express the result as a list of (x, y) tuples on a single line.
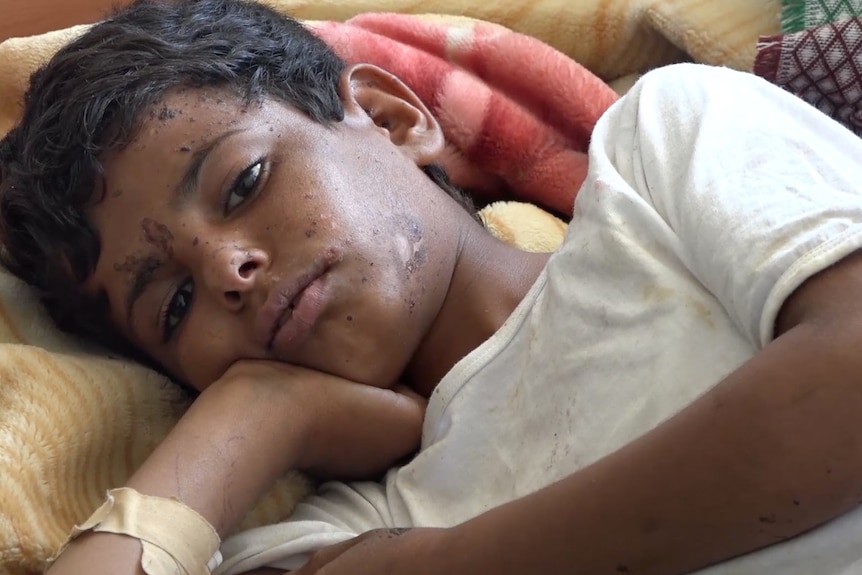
[(143, 272), (189, 182)]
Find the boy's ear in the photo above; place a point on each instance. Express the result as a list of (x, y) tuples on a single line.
[(371, 93)]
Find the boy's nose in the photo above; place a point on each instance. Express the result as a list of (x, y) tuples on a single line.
[(233, 273)]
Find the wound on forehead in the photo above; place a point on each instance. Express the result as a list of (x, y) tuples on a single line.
[(158, 235)]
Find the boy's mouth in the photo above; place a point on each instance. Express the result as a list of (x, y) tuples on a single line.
[(291, 302), (300, 316)]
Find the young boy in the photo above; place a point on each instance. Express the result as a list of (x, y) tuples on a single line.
[(676, 387)]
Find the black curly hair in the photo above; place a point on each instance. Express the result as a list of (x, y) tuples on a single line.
[(89, 99)]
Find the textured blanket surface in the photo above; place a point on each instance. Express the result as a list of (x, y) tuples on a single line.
[(818, 57), (74, 421)]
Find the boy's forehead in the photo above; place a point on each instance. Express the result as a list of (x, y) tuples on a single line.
[(190, 105), (141, 176), (184, 120)]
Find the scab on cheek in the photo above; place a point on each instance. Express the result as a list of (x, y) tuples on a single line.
[(409, 245), (312, 231), (416, 261), (413, 229)]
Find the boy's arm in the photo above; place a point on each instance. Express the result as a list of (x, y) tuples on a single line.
[(248, 429), (772, 451)]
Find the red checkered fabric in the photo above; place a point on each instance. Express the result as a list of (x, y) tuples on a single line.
[(822, 65)]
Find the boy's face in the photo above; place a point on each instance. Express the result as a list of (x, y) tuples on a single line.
[(238, 232)]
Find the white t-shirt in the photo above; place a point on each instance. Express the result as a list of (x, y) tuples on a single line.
[(711, 196)]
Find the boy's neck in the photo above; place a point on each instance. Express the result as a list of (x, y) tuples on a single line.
[(489, 280)]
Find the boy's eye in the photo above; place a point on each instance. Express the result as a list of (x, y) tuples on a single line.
[(244, 186), (177, 308)]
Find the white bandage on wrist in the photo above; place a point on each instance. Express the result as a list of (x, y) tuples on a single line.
[(175, 538)]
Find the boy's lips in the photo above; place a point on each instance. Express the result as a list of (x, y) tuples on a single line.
[(291, 309)]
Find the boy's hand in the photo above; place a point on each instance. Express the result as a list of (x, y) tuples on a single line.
[(340, 429)]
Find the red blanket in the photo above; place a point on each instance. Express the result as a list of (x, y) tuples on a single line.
[(517, 114)]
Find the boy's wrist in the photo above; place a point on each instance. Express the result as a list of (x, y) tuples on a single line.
[(266, 413), (237, 438)]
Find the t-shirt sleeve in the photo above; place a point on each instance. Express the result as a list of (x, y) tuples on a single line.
[(338, 512), (757, 190)]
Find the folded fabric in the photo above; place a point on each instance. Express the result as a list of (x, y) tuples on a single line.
[(818, 57)]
